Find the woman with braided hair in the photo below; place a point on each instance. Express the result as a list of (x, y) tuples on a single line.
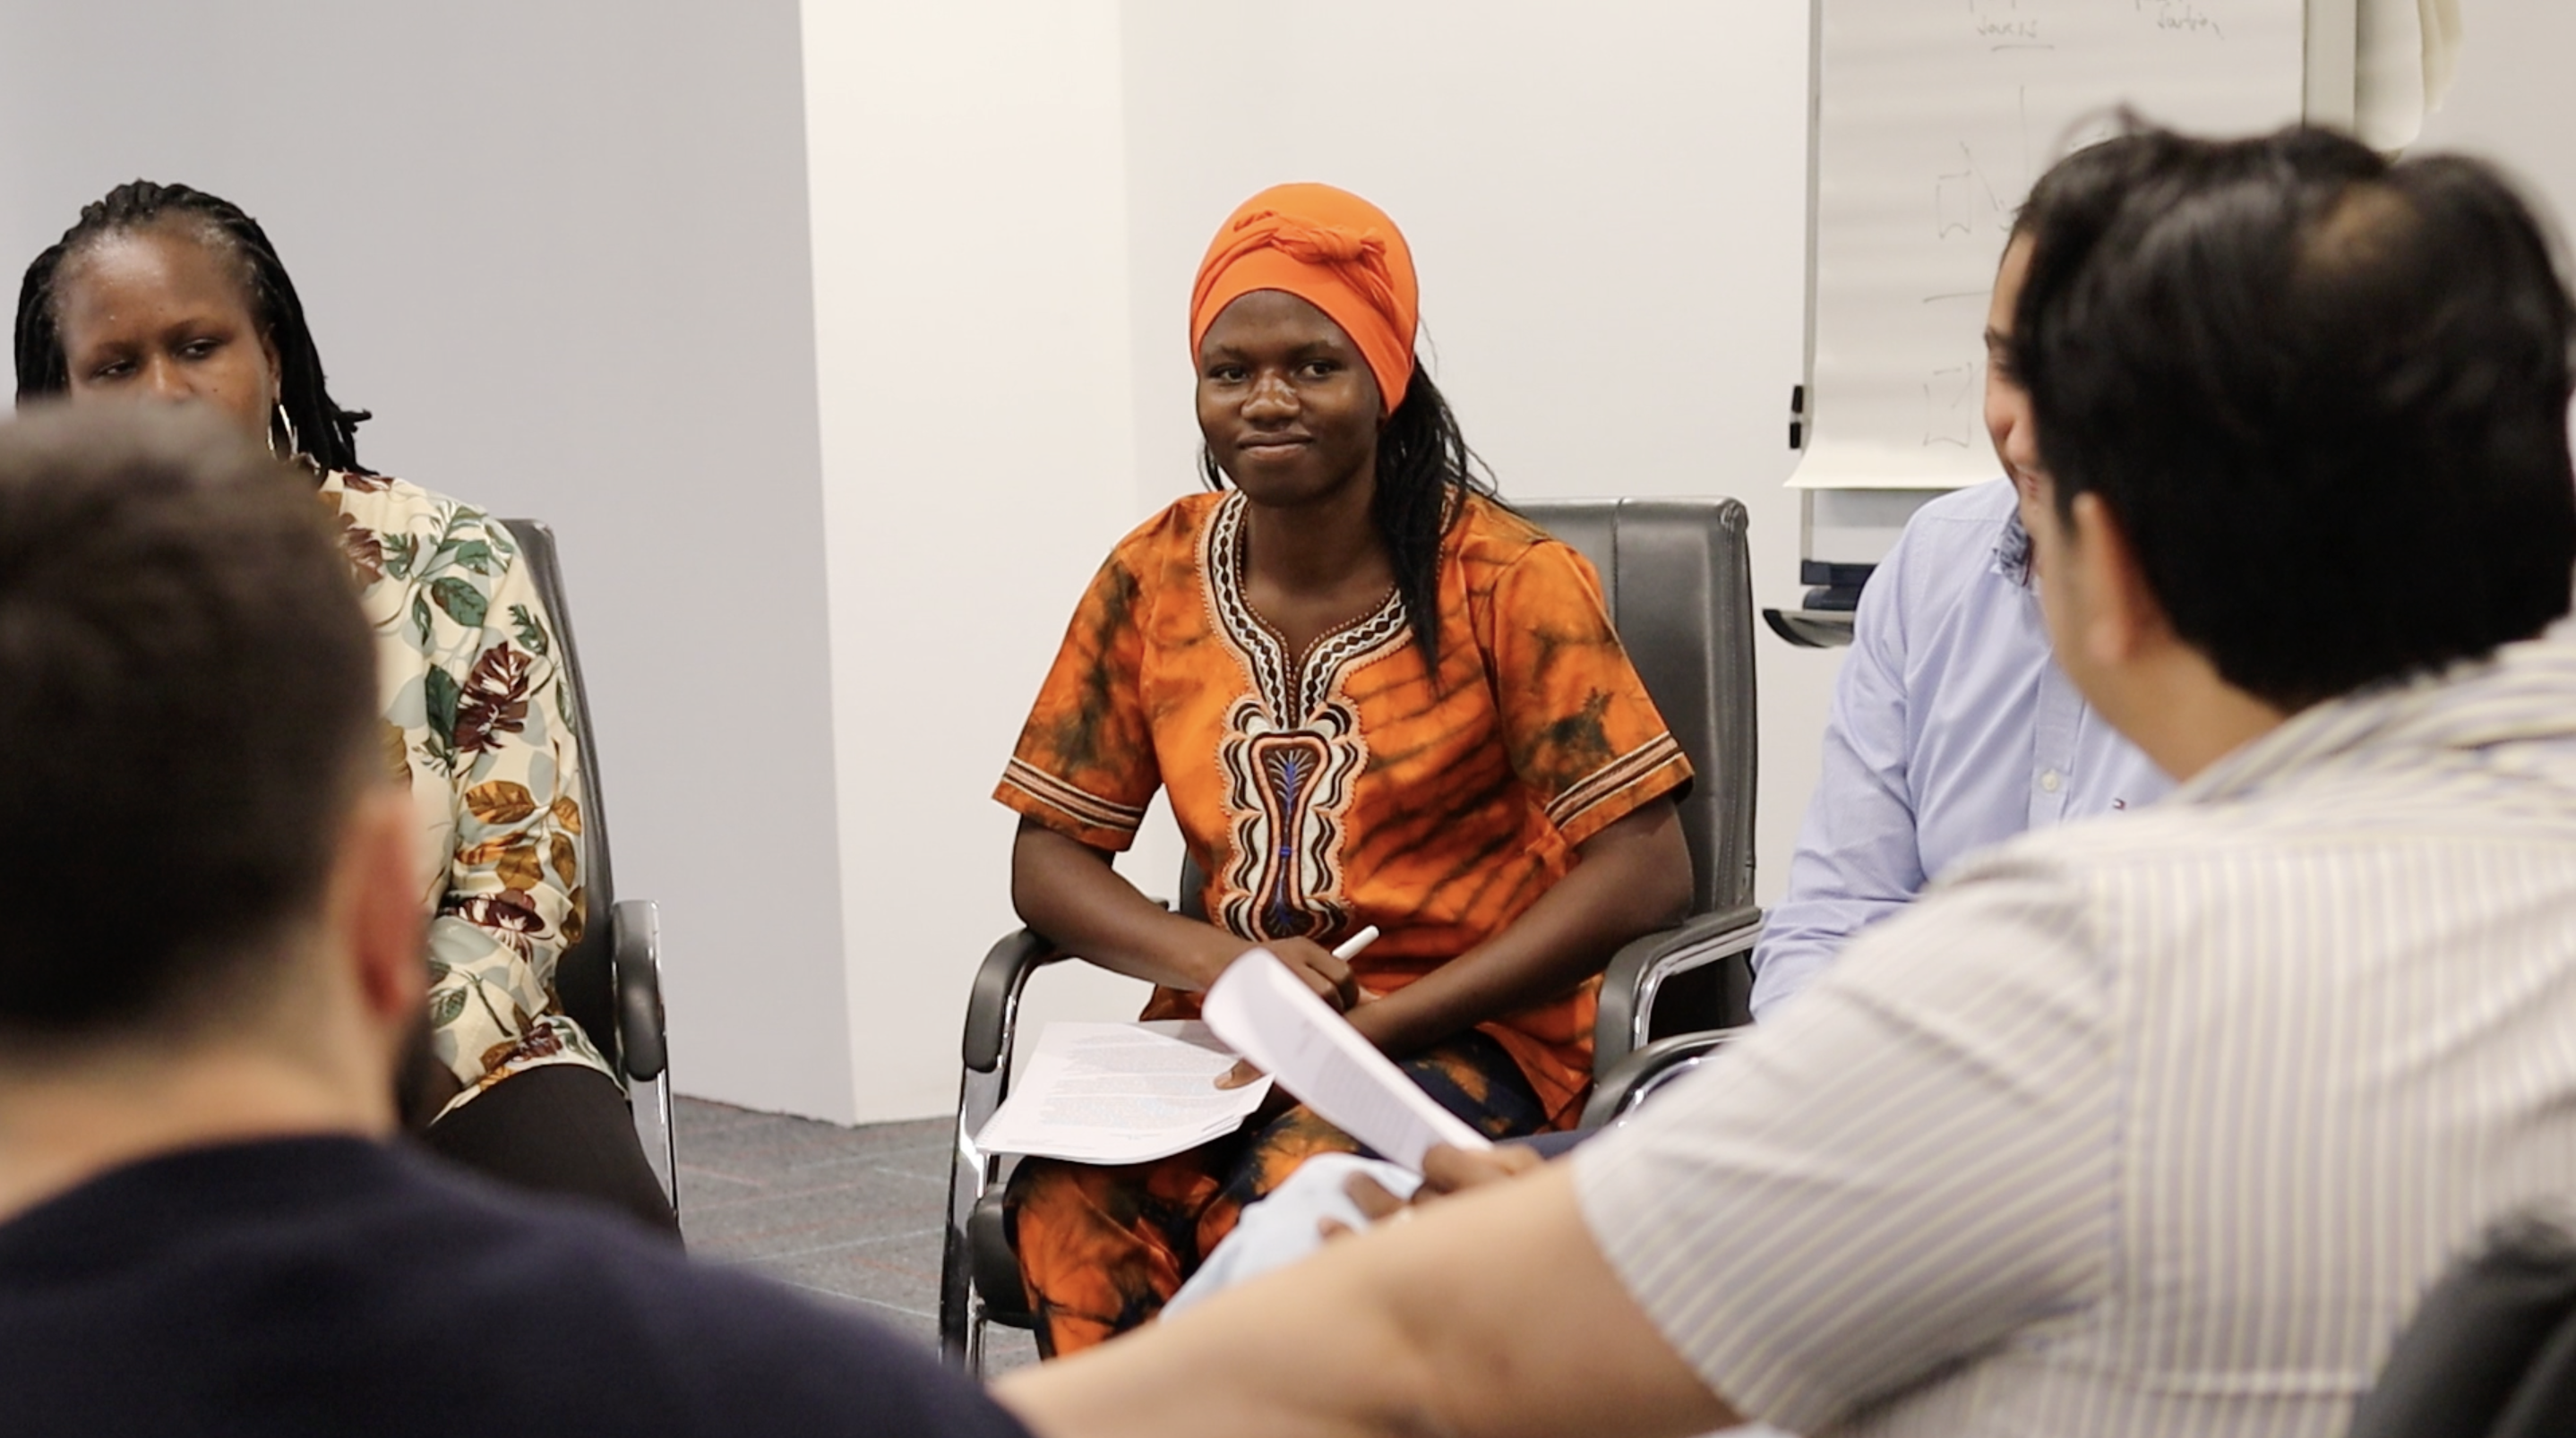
[(1374, 696), (162, 292)]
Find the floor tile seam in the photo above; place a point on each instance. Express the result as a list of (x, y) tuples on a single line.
[(939, 1179), (741, 1200), (852, 1297), (741, 1165), (815, 1234), (719, 1116), (878, 1155), (843, 1244), (692, 1171), (719, 1122)]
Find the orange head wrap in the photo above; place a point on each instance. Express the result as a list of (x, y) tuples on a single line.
[(1331, 249)]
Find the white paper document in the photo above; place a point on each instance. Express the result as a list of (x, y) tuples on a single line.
[(1273, 1019), (1121, 1093)]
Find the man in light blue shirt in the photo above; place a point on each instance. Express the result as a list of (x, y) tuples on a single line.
[(1951, 729)]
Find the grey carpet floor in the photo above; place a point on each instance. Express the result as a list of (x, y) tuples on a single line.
[(851, 1214)]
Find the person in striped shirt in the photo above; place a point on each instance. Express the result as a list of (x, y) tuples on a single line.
[(2156, 1126)]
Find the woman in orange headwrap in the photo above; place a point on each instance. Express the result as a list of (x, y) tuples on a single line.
[(1375, 695)]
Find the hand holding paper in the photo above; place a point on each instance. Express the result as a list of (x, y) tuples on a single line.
[(1246, 1071), (1274, 1020)]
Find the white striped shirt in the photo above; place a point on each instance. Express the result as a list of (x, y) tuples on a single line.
[(2151, 1126)]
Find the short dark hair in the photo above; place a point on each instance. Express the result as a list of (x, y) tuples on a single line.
[(187, 710), (314, 422), (2326, 398), (2078, 195)]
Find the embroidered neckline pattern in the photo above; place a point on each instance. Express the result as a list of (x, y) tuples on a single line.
[(1291, 753), (1293, 687)]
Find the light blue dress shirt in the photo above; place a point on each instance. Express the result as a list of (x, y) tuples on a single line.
[(1952, 728)]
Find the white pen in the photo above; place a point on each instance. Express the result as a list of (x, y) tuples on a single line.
[(1347, 950)]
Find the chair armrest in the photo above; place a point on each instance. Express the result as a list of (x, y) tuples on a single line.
[(635, 954), (997, 1267), (1638, 1075), (1640, 967), (994, 1002)]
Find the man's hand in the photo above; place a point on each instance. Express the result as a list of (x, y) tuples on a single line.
[(1445, 1171)]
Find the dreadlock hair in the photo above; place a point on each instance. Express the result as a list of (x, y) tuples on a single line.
[(326, 433), (1424, 474)]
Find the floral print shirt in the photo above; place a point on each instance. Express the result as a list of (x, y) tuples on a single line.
[(478, 724)]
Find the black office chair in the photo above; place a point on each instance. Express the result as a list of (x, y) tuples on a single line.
[(1680, 590), (2491, 1351), (610, 983), (1618, 1091)]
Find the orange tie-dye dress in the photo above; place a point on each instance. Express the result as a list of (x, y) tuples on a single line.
[(1322, 793)]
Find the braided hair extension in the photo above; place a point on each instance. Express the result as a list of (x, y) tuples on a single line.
[(1424, 474), (325, 432)]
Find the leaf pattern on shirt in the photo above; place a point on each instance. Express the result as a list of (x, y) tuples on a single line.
[(538, 1042), (401, 554), (365, 551), (439, 694), (500, 802), (495, 702), (518, 868), (397, 752), (506, 915), (478, 721), (473, 554), (460, 600), (531, 634)]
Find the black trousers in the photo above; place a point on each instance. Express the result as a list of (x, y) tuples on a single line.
[(560, 1130)]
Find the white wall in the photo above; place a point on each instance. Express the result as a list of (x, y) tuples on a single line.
[(2511, 101), (970, 289), (559, 247)]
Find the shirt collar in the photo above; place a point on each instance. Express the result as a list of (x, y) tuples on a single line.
[(2012, 549), (2525, 693)]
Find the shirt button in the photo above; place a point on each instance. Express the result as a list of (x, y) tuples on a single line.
[(2050, 781)]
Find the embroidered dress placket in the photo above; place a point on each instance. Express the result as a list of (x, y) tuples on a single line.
[(1292, 751)]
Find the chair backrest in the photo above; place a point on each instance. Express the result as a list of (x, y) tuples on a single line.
[(1680, 587), (585, 978), (2491, 1351)]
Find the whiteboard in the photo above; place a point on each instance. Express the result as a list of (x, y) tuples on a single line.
[(1933, 117)]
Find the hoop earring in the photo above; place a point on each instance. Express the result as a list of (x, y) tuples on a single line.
[(293, 448)]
